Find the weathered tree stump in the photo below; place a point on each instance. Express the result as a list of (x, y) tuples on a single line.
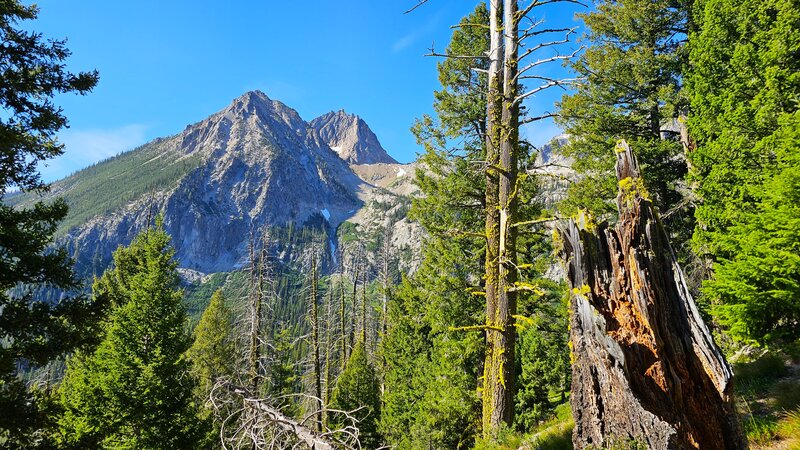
[(646, 368)]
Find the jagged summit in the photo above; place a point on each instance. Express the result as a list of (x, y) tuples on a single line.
[(350, 137), (259, 105)]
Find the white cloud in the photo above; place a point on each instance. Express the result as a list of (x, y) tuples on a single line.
[(85, 147)]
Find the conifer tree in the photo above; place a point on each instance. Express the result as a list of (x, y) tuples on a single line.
[(432, 372), (34, 329), (756, 291), (135, 390), (631, 88), (357, 391), (212, 352), (744, 85), (434, 348)]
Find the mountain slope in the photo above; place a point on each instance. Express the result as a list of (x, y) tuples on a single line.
[(242, 174), (351, 138)]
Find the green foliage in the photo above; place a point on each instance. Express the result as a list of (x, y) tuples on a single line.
[(197, 296), (212, 356), (632, 79), (33, 73), (543, 359), (744, 88), (34, 329), (431, 376), (282, 369), (756, 289), (430, 397), (135, 390), (117, 181), (757, 283), (212, 353), (357, 392)]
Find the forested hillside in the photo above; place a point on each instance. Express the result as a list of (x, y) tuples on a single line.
[(259, 281)]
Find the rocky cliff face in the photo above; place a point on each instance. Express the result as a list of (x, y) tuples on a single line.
[(351, 138), (252, 171)]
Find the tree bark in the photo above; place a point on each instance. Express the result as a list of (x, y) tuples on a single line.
[(645, 365), (492, 380), (315, 340), (342, 323), (256, 306)]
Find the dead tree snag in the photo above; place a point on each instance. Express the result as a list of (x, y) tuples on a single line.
[(645, 365)]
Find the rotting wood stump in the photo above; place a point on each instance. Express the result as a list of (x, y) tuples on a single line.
[(645, 368)]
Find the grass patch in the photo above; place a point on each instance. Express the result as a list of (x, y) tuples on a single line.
[(769, 401), (554, 434), (785, 395), (760, 430), (556, 437), (789, 427), (757, 376), (506, 440)]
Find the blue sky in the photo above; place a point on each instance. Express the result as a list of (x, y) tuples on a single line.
[(166, 64)]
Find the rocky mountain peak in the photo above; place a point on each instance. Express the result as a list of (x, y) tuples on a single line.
[(251, 169), (255, 106), (350, 137)]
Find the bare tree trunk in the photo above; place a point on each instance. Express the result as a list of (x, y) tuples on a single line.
[(268, 425), (257, 263), (364, 308), (491, 379), (509, 165), (645, 365), (329, 349), (353, 317), (315, 340), (342, 322)]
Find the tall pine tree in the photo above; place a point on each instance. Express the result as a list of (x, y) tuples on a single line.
[(744, 88), (435, 348), (213, 357), (212, 352), (631, 88), (430, 397), (34, 329), (135, 389), (357, 392)]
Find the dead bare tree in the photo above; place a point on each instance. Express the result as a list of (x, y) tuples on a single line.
[(330, 348), (260, 276), (646, 367), (315, 341), (254, 422)]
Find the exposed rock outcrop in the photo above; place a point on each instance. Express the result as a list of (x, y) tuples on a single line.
[(350, 137)]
